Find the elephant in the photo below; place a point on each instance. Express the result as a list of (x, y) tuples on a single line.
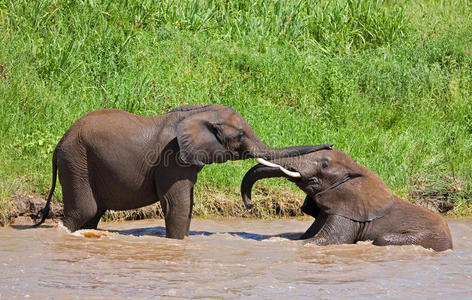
[(351, 203), (112, 159)]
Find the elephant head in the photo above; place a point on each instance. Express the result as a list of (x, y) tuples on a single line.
[(333, 181), (216, 134)]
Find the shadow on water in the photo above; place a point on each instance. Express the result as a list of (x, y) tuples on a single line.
[(160, 231), (23, 227)]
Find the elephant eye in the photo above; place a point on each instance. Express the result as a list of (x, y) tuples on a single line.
[(324, 164), (216, 130)]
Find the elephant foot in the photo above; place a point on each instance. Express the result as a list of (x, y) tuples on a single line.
[(75, 220), (93, 223)]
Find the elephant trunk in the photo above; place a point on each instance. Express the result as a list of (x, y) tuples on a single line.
[(257, 149), (254, 174)]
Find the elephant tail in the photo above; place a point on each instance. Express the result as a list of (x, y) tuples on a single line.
[(45, 211)]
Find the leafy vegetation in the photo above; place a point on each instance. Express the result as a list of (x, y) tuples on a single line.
[(389, 82)]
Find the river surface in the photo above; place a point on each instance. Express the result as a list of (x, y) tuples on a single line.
[(224, 259)]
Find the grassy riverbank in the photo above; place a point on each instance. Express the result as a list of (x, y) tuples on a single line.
[(389, 82)]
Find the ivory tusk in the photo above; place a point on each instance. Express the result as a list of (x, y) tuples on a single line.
[(287, 172), (267, 163), (290, 173)]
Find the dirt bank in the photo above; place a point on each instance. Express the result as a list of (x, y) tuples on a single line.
[(24, 208)]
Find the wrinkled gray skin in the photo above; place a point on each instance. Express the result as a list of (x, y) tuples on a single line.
[(351, 203), (111, 159)]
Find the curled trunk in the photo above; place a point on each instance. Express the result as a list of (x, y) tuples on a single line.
[(256, 173)]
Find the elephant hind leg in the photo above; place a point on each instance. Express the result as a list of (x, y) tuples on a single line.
[(81, 213), (405, 238), (93, 223), (80, 206), (80, 210), (429, 241)]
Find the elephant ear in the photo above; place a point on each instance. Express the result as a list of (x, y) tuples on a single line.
[(198, 139), (362, 198)]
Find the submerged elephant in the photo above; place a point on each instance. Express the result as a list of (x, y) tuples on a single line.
[(351, 203), (111, 159)]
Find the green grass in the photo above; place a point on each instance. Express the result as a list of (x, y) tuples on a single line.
[(389, 82)]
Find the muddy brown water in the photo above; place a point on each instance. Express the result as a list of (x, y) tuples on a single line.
[(224, 259)]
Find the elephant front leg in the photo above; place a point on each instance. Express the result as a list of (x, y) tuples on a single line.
[(331, 229), (177, 205), (315, 227)]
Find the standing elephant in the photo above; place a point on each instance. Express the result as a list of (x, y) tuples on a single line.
[(112, 159), (351, 203)]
